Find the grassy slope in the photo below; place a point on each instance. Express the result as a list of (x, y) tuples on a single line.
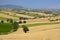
[(5, 13), (38, 24), (35, 14), (5, 27), (1, 18)]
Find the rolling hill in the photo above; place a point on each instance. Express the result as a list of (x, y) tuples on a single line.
[(19, 11), (11, 6)]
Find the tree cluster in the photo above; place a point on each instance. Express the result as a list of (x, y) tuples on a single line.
[(25, 28)]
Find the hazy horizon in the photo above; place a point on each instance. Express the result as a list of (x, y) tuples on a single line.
[(36, 4)]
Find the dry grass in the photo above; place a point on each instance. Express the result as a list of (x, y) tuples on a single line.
[(43, 14), (46, 32), (19, 15), (7, 16)]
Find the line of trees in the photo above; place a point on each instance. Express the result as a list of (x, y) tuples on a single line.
[(16, 25), (20, 22), (13, 23), (53, 19)]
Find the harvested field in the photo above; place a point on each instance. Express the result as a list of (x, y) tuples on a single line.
[(38, 20), (7, 16), (24, 16), (45, 32)]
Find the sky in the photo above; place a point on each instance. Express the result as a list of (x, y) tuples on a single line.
[(37, 4)]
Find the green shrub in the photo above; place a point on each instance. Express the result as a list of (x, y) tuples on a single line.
[(25, 28), (15, 26), (10, 20), (20, 22), (2, 21), (24, 21)]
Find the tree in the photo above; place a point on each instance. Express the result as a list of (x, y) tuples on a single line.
[(7, 20), (25, 28), (2, 21), (20, 22), (57, 19), (11, 20), (20, 18), (15, 26), (24, 21)]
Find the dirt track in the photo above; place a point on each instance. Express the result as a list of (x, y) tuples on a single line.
[(45, 32)]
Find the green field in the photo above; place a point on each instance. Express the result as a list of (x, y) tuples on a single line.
[(1, 18), (38, 24), (5, 28)]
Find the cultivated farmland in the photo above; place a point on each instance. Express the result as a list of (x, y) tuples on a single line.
[(41, 26)]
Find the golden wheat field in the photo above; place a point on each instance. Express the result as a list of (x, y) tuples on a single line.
[(44, 32)]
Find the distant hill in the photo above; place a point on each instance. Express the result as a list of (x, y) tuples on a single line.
[(50, 10), (20, 7), (47, 11), (11, 6)]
